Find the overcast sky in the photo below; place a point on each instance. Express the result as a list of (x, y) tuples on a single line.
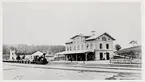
[(54, 23)]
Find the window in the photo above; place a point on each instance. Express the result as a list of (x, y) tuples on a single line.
[(70, 48), (96, 46), (67, 48), (74, 47), (78, 47), (100, 46), (82, 46), (107, 46), (91, 45), (87, 46), (81, 40), (77, 40), (104, 38)]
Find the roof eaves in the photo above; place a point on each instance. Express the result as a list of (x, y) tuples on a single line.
[(108, 35), (74, 36), (68, 42), (90, 39)]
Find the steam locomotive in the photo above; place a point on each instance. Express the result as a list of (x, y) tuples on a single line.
[(40, 60)]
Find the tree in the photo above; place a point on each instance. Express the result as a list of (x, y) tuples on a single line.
[(23, 49), (133, 42), (117, 47), (18, 57)]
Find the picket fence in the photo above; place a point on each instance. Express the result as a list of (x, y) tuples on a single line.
[(126, 61)]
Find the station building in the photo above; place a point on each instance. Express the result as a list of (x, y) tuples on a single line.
[(89, 47)]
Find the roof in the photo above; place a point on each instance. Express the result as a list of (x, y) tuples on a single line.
[(74, 52), (38, 53), (75, 36), (48, 55), (135, 49), (84, 35), (90, 37), (69, 41), (98, 35)]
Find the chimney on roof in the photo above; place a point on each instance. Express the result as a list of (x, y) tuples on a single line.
[(81, 34), (93, 32)]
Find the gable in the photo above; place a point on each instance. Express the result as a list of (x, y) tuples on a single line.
[(98, 37), (77, 39), (106, 36)]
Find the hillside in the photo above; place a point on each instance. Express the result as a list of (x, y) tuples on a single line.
[(29, 49)]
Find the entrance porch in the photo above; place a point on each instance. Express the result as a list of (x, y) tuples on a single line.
[(87, 56)]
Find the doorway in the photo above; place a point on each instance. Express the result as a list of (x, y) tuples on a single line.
[(101, 56), (107, 56)]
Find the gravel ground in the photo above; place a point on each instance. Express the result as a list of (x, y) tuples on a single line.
[(26, 73)]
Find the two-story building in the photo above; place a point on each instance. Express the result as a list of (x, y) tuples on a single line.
[(89, 47)]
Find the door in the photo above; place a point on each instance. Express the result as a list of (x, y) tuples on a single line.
[(101, 56), (107, 56)]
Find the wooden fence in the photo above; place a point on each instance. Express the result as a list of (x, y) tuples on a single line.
[(126, 61)]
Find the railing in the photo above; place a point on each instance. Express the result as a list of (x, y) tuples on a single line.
[(126, 61)]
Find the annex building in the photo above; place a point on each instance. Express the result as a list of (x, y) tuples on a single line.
[(89, 47)]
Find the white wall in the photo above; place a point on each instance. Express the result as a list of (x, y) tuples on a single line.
[(12, 55), (95, 45)]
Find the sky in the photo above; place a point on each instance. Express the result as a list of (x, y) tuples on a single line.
[(53, 23)]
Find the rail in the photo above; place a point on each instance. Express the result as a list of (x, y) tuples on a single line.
[(25, 62)]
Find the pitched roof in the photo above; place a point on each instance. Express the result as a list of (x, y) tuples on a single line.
[(98, 35), (84, 35), (75, 36), (38, 53), (47, 55), (90, 37), (69, 41)]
